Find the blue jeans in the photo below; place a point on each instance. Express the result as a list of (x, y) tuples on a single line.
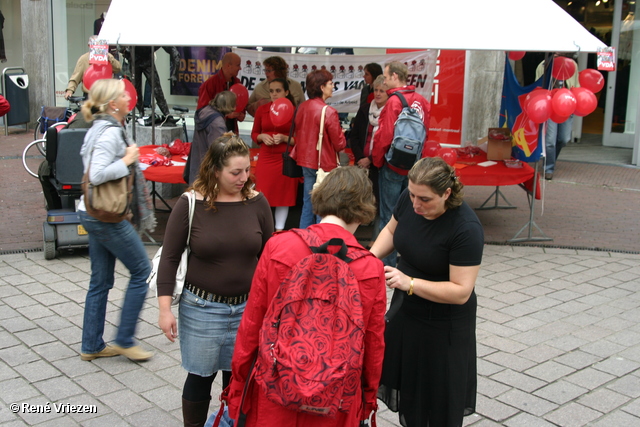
[(106, 243), (307, 217), (391, 186), (556, 137)]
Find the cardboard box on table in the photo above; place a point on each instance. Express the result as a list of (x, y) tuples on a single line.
[(499, 144)]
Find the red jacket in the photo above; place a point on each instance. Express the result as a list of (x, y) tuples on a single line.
[(305, 152), (213, 86), (281, 252), (386, 124)]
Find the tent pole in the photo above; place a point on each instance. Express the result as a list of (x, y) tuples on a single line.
[(133, 79), (531, 223), (153, 98)]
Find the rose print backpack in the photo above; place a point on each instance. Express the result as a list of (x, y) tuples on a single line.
[(311, 343)]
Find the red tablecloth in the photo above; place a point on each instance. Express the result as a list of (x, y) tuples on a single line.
[(173, 174), (495, 175)]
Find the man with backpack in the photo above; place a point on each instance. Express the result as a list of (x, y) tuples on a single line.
[(310, 345), (390, 138)]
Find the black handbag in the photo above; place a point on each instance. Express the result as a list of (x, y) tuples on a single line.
[(289, 166)]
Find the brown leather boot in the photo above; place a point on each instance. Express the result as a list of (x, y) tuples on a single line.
[(195, 414)]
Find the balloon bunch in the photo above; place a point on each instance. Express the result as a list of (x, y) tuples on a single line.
[(434, 149), (559, 104)]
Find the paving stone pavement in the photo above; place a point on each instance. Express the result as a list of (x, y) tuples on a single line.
[(558, 344)]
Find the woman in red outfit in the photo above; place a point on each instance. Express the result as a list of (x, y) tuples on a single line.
[(305, 152), (344, 200), (281, 191)]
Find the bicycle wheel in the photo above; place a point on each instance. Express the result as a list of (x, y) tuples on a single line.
[(31, 162)]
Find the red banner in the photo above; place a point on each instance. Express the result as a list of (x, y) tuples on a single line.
[(447, 96)]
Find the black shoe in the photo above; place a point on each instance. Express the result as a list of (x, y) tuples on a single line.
[(548, 176), (170, 122)]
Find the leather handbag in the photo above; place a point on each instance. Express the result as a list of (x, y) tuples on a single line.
[(109, 201), (289, 166), (320, 173), (181, 273)]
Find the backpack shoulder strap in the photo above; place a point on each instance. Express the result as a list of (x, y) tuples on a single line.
[(317, 247), (402, 98)]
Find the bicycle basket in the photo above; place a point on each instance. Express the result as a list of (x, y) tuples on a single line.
[(52, 115)]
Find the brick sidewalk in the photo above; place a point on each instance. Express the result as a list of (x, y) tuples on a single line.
[(585, 206)]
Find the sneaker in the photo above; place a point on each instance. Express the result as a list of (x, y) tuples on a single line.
[(548, 176), (108, 351), (135, 353)]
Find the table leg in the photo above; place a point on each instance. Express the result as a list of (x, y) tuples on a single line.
[(497, 193), (154, 193)]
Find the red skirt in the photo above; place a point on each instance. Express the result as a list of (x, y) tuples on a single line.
[(279, 190)]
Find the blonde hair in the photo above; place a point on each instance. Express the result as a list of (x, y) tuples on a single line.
[(101, 93)]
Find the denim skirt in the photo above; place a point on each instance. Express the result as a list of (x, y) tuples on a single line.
[(207, 333)]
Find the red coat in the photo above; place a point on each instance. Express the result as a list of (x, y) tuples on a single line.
[(305, 151), (281, 252), (213, 86), (386, 124)]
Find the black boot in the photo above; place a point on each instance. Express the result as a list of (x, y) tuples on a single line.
[(195, 414)]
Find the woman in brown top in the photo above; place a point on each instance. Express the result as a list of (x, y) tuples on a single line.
[(231, 224)]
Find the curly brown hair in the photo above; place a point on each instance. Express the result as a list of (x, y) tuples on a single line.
[(216, 158)]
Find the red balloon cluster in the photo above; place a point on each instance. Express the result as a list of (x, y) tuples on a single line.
[(96, 72), (281, 111), (559, 104), (242, 96), (516, 55)]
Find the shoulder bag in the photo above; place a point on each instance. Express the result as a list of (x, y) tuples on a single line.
[(289, 166), (181, 273), (320, 173), (109, 201)]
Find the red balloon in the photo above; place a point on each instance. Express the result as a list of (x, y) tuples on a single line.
[(535, 93), (539, 107), (431, 148), (563, 68), (449, 155), (586, 101), (591, 79), (563, 102), (242, 96), (131, 90), (516, 55), (281, 111), (558, 118), (96, 72)]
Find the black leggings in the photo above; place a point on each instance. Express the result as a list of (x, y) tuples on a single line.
[(197, 388)]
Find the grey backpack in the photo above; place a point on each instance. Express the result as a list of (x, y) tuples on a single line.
[(409, 135)]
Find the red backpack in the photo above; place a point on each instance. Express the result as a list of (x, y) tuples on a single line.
[(311, 342)]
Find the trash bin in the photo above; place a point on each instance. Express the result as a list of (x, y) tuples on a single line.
[(16, 90)]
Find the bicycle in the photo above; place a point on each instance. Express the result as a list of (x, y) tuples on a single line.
[(43, 123), (181, 112)]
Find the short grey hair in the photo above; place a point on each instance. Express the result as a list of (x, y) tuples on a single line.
[(224, 102)]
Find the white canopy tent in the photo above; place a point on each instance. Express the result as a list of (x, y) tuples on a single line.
[(509, 25)]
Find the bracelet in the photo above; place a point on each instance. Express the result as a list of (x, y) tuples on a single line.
[(410, 291)]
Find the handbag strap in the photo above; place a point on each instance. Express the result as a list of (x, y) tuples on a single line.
[(191, 195), (291, 129), (321, 134)]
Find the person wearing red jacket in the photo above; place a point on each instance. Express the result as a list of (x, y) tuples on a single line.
[(392, 181), (221, 81), (344, 200), (307, 129)]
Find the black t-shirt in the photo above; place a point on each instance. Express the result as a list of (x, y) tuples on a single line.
[(428, 247)]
